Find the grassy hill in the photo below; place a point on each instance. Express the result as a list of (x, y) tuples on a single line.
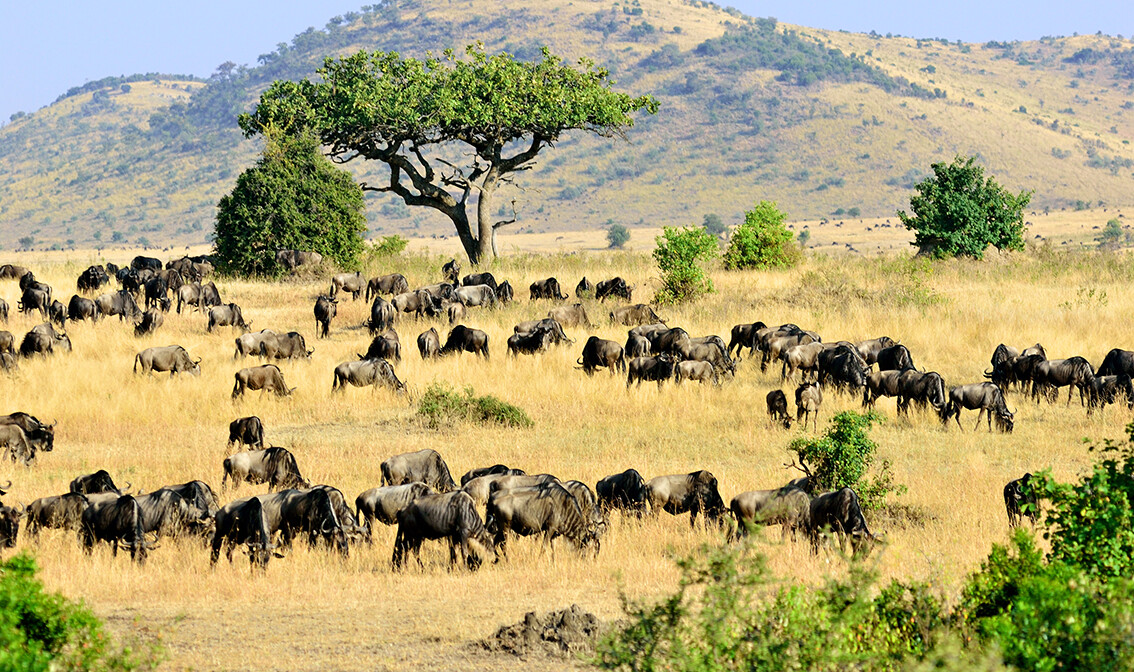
[(820, 121)]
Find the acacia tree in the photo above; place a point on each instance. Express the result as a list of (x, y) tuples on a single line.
[(417, 116)]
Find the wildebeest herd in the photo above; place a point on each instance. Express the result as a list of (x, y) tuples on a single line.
[(417, 492)]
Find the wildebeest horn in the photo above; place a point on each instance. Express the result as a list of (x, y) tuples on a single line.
[(128, 486), (4, 489)]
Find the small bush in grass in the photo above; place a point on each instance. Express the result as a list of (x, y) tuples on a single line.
[(388, 246), (617, 236), (762, 241), (678, 255), (442, 405), (842, 456)]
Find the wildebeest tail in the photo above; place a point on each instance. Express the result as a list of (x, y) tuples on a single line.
[(137, 360)]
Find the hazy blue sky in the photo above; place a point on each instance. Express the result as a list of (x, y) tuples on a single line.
[(46, 48)]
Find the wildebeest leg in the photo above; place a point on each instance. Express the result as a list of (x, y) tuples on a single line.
[(980, 412), (957, 417)]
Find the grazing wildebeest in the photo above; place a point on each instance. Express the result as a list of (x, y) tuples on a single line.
[(570, 316), (57, 512), (712, 353), (880, 384), (347, 282), (455, 310), (386, 346), (57, 313), (198, 495), (778, 408), (139, 262), (419, 302), (382, 316), (367, 372), (695, 492), (546, 289), (549, 510), (115, 521), (16, 444), (151, 321), (7, 342), (449, 516), (34, 298), (10, 524), (190, 295), (3, 310), (773, 342), (702, 372), (494, 470), (529, 343), (293, 259), (803, 358), (424, 466), (463, 339), (392, 284), (626, 492), (429, 343), (442, 291), (12, 272), (504, 292), (636, 346), (869, 350), (172, 358), (744, 336), (244, 521), (614, 287), (156, 290), (474, 279), (659, 368), (385, 503), (1105, 389), (92, 279), (1020, 501), (1117, 362), (82, 308), (249, 343), (922, 388), (285, 346), (894, 358), (325, 310), (165, 512), (839, 512), (808, 399), (39, 435), (789, 507), (266, 378), (228, 315), (585, 289), (248, 431), (548, 324), (636, 315), (1050, 375), (275, 466), (599, 353), (43, 343), (90, 484), (986, 397), (841, 367), (451, 271)]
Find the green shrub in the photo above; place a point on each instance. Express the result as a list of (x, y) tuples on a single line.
[(45, 631), (388, 246), (714, 224), (442, 405), (678, 255), (762, 241), (617, 236), (843, 455)]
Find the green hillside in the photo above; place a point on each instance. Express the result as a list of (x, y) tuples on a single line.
[(819, 121)]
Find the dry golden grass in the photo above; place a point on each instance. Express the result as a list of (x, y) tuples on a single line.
[(313, 611)]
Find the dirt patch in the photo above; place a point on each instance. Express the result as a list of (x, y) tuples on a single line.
[(562, 633)]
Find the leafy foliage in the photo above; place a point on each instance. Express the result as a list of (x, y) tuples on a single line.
[(714, 224), (442, 405), (389, 246), (617, 236), (762, 241), (678, 256), (957, 212), (1112, 235), (293, 198), (45, 631), (842, 457)]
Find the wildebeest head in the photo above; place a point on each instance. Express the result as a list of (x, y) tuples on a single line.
[(10, 525)]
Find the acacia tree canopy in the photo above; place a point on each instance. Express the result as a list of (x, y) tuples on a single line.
[(417, 115)]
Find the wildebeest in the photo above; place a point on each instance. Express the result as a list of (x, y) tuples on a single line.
[(10, 525), (839, 512), (249, 343), (546, 289), (549, 510), (165, 512), (869, 349), (442, 291), (1020, 501), (3, 310), (198, 495), (894, 358), (880, 384), (293, 259), (803, 358), (392, 284), (1011, 366), (454, 310), (986, 397), (35, 298), (386, 502), (701, 372), (636, 346), (1105, 389), (808, 399), (386, 346), (243, 521), (585, 289), (1050, 375), (778, 408), (208, 296), (7, 342), (789, 507), (228, 315), (115, 521), (12, 272), (614, 287), (157, 292), (248, 431), (548, 324), (635, 315), (382, 316), (841, 367), (40, 435), (659, 368), (151, 321), (57, 313), (529, 343), (504, 292), (1117, 362), (695, 492), (325, 309), (625, 492), (57, 512), (464, 339), (347, 282), (424, 466), (285, 346), (419, 302), (773, 342), (275, 466), (140, 262), (82, 308), (16, 445), (494, 470), (474, 279), (43, 343), (599, 353), (570, 316), (429, 343), (449, 516), (89, 484), (451, 271), (172, 358), (266, 378), (92, 279), (921, 388), (711, 353), (366, 372)]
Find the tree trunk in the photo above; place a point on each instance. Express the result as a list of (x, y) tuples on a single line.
[(487, 246), (461, 223)]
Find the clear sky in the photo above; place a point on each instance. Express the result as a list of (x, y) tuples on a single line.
[(46, 48)]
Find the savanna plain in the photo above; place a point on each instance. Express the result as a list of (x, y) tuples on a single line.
[(314, 610)]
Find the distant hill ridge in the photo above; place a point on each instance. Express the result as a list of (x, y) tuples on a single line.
[(819, 121)]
